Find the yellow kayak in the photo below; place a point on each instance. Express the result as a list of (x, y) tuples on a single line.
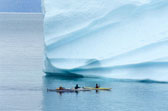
[(92, 88)]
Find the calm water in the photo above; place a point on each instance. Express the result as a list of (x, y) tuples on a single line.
[(23, 85), (125, 96), (24, 88)]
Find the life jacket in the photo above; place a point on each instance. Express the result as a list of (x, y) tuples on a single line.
[(97, 86)]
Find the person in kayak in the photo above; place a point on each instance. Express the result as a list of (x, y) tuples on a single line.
[(76, 87), (61, 88), (97, 86)]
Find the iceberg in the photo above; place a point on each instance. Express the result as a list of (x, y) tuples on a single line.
[(110, 38)]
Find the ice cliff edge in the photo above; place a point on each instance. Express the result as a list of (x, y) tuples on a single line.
[(118, 39)]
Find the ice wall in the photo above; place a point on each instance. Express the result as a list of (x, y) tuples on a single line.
[(112, 38)]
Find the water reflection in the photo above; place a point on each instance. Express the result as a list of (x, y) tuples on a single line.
[(53, 82), (124, 95), (58, 100)]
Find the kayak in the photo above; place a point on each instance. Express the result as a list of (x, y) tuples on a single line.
[(68, 90), (92, 88), (57, 90)]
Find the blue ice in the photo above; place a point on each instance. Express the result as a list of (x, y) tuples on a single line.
[(110, 38)]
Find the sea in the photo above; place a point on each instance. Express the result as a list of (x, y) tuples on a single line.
[(23, 83)]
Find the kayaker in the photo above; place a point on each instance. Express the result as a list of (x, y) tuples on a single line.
[(76, 87), (97, 86), (61, 88)]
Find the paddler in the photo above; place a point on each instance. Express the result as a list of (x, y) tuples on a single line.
[(76, 87), (61, 88), (97, 86)]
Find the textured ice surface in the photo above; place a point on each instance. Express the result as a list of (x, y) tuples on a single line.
[(112, 38)]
